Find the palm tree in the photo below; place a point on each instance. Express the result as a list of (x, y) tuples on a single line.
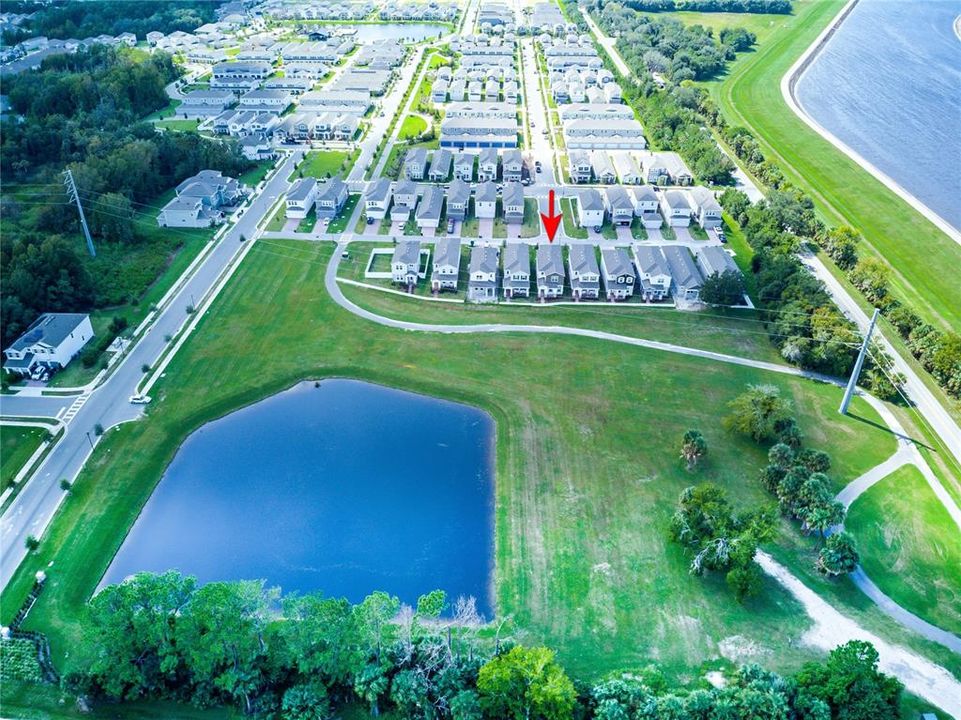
[(693, 448)]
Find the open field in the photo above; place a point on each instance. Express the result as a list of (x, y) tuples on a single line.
[(909, 546), (412, 127), (17, 444), (750, 95), (587, 467), (322, 164)]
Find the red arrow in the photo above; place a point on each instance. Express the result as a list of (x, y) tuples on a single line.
[(551, 221)]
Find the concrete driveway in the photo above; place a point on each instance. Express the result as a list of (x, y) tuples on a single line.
[(485, 227), (624, 233), (428, 231), (684, 235), (458, 224), (513, 232), (397, 228)]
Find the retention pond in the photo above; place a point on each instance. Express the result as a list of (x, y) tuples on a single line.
[(345, 488)]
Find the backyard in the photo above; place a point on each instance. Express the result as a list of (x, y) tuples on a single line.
[(584, 490)]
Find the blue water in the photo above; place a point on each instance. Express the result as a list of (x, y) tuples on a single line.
[(346, 488), (889, 85)]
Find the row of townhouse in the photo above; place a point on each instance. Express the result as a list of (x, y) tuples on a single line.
[(352, 102), (359, 79), (623, 203), (486, 72), (511, 162), (604, 133), (576, 92), (293, 128), (399, 200), (474, 91), (418, 11), (476, 133), (662, 168), (585, 77), (326, 198), (316, 10)]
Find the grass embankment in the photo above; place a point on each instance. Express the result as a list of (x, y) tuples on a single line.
[(909, 547), (843, 192), (587, 467), (323, 164), (17, 445), (413, 127)]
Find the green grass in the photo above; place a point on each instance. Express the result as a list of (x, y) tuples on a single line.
[(571, 228), (178, 125), (17, 445), (587, 466), (909, 547), (668, 232), (531, 226), (339, 223), (412, 127), (638, 231), (322, 164), (278, 220), (843, 192)]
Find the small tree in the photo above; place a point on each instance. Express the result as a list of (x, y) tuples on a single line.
[(693, 448), (31, 543), (65, 485), (98, 429), (839, 555), (758, 412), (725, 288)]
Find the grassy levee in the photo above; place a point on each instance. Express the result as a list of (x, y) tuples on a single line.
[(842, 191), (909, 547), (587, 467)]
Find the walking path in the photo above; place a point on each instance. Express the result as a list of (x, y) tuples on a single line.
[(831, 628), (919, 675), (608, 43), (788, 91)]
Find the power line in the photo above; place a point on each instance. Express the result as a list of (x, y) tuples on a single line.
[(72, 190)]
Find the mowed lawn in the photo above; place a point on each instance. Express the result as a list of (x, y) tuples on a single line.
[(910, 546), (412, 127), (588, 472), (321, 164), (17, 444), (844, 193)]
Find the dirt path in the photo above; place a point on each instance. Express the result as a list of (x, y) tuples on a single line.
[(920, 676)]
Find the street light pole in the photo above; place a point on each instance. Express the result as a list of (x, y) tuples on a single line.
[(852, 383), (89, 440)]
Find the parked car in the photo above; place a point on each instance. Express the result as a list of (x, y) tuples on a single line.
[(450, 225), (139, 399), (370, 221)]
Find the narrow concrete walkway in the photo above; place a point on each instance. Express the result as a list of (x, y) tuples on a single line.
[(854, 489)]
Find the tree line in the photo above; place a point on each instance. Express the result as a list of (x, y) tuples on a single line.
[(66, 19), (84, 111), (305, 657), (781, 7)]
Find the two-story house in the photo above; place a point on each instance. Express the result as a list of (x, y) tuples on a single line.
[(513, 203), (458, 199), (618, 273), (331, 197), (50, 341), (550, 271), (579, 166), (464, 166), (405, 200), (440, 165), (653, 273), (705, 207), (405, 263), (512, 166), (590, 209), (584, 273), (446, 263), (516, 281), (686, 278), (301, 197), (415, 163), (645, 206), (377, 198), (485, 200), (621, 205), (675, 208), (487, 164), (482, 285)]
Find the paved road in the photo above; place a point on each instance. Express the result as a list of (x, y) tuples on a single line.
[(49, 406), (31, 511)]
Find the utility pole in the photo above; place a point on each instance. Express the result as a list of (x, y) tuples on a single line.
[(852, 383), (72, 192)]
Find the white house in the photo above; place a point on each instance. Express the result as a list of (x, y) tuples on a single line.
[(550, 271), (51, 342), (482, 285), (446, 264), (377, 198), (590, 208), (675, 208), (618, 273), (645, 206), (485, 200), (405, 263), (653, 273), (584, 273), (301, 197), (517, 270), (705, 207)]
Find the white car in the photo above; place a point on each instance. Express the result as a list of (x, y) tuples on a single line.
[(139, 399)]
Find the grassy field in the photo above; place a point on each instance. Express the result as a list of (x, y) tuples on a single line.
[(412, 127), (571, 228), (587, 467), (322, 164), (750, 96), (909, 547), (17, 444)]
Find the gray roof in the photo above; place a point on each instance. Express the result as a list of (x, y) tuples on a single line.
[(517, 258), (416, 156), (406, 252), (379, 189), (619, 199), (704, 198), (440, 162), (405, 187), (683, 269), (330, 188), (431, 204), (50, 329), (488, 155), (301, 189), (550, 259), (486, 192), (513, 157), (583, 259), (650, 261), (483, 259), (644, 192), (447, 252), (464, 160), (458, 192), (676, 199), (590, 199), (713, 259), (513, 194), (616, 261)]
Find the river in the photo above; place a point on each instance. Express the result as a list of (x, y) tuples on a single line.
[(345, 488), (888, 84)]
